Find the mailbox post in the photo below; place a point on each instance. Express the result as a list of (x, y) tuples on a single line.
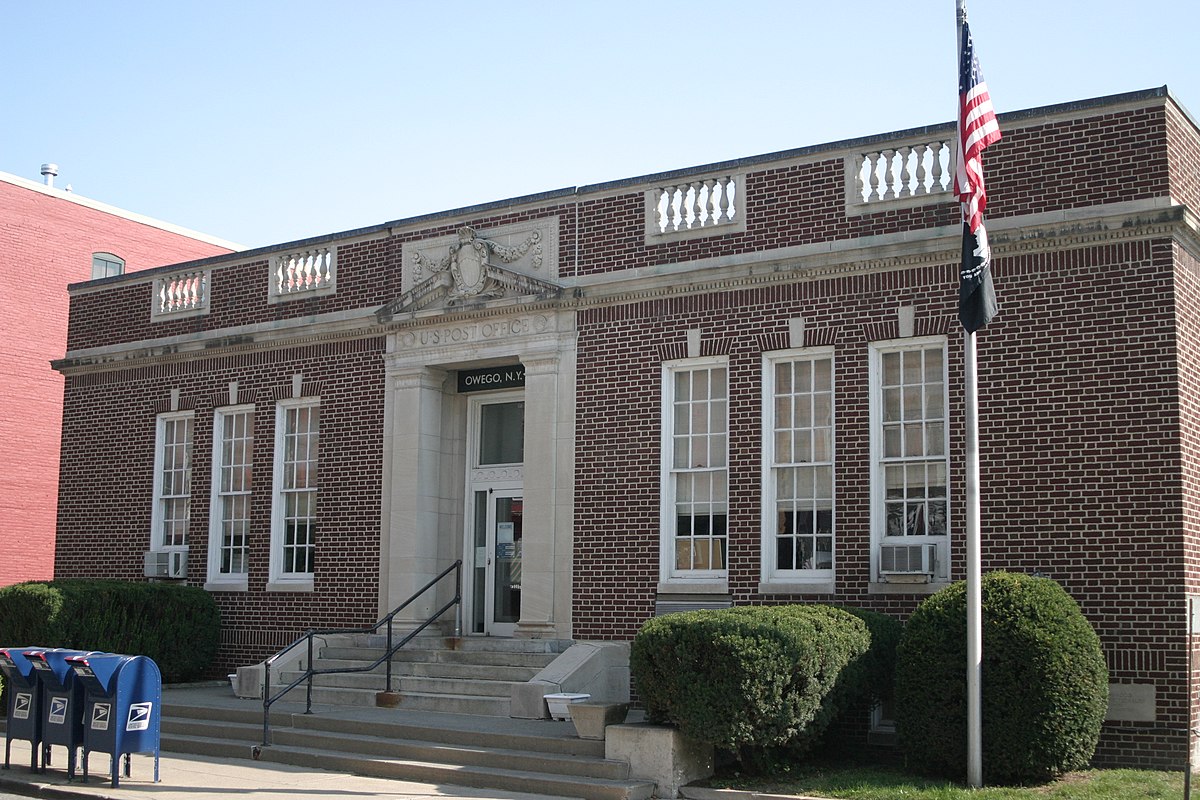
[(122, 711), (61, 704), (23, 717)]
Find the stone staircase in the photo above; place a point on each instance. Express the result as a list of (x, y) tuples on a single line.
[(534, 756), (459, 676)]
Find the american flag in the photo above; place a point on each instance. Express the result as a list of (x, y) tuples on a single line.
[(977, 128)]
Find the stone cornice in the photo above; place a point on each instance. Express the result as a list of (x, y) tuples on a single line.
[(1061, 230), (1052, 231)]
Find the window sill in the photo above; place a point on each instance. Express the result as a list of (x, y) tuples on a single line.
[(797, 587), (877, 587), (225, 586), (680, 586), (290, 585)]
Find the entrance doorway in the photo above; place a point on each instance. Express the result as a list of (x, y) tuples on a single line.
[(497, 570), (494, 535)]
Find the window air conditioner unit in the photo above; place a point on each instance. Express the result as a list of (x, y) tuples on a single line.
[(907, 561), (166, 564)]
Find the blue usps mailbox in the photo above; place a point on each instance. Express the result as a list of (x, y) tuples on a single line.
[(122, 711), (61, 702), (23, 719)]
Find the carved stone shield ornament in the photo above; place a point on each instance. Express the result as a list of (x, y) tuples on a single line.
[(469, 267), (468, 263)]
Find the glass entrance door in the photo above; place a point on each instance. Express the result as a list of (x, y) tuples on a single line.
[(496, 573), (495, 515)]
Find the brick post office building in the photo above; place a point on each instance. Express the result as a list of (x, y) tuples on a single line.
[(739, 383), (52, 237)]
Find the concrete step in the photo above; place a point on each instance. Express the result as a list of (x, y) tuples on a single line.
[(405, 684), (439, 669), (245, 721), (331, 695), (490, 644), (483, 705), (366, 655), (480, 705), (487, 777), (197, 734), (538, 757)]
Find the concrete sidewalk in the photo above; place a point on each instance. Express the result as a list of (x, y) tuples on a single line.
[(190, 777)]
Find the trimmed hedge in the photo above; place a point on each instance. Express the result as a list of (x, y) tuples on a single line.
[(177, 626), (876, 670), (1044, 682), (747, 677)]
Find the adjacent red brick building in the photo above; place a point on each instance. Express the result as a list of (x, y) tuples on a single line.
[(738, 383), (52, 238)]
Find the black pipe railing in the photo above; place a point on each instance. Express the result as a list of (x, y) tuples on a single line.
[(389, 652)]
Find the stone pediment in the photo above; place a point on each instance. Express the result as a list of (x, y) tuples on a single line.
[(470, 267), (443, 290)]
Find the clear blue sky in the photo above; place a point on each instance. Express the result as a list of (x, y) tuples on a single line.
[(266, 121)]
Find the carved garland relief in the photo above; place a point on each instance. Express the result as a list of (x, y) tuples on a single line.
[(468, 263)]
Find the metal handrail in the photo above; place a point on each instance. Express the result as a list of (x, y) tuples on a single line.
[(391, 650)]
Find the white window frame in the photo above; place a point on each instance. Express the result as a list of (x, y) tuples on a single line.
[(158, 515), (775, 580), (693, 580), (279, 580), (878, 483), (230, 581), (104, 262)]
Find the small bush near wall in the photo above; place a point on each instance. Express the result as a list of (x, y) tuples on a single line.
[(1044, 682), (874, 675), (746, 678), (177, 626)]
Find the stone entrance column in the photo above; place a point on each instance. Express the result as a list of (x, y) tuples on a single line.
[(412, 491), (549, 497)]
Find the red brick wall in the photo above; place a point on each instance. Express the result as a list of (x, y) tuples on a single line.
[(1184, 154), (107, 482), (368, 277), (1187, 299), (45, 244), (1107, 158), (1046, 167), (1079, 457)]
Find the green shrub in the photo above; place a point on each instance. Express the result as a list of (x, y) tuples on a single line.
[(747, 677), (177, 626), (1044, 682), (875, 676)]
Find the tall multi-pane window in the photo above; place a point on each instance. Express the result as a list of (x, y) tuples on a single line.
[(798, 530), (295, 520), (909, 441), (172, 481), (232, 484), (696, 474)]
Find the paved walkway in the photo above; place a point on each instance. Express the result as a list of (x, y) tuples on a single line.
[(190, 777)]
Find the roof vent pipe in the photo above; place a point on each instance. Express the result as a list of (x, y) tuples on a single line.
[(49, 173)]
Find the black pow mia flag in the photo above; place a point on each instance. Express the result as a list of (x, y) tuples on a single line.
[(976, 296)]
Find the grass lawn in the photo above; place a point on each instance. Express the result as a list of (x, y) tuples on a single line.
[(879, 783)]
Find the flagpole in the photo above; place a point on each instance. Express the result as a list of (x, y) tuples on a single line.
[(974, 557), (974, 572)]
